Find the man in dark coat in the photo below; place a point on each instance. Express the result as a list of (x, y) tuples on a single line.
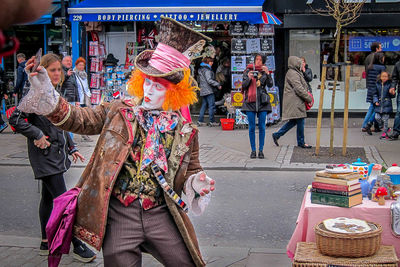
[(22, 78), (69, 89), (396, 83)]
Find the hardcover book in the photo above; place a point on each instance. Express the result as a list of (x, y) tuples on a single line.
[(335, 192), (343, 176), (335, 200), (336, 187), (335, 181)]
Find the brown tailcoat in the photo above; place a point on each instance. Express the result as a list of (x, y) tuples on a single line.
[(115, 122)]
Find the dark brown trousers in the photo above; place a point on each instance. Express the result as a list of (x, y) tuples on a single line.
[(132, 230)]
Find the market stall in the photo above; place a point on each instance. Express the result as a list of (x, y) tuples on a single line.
[(349, 215)]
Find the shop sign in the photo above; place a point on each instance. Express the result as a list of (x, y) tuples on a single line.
[(120, 17), (363, 43), (238, 46)]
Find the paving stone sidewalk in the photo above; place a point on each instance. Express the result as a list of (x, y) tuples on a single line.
[(230, 150)]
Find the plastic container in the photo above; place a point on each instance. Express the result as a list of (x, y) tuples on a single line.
[(394, 173), (227, 124)]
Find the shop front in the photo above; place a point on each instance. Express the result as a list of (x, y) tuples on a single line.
[(311, 36), (125, 29)]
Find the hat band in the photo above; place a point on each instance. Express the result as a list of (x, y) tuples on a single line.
[(166, 58)]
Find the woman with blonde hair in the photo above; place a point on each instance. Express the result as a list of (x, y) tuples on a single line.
[(48, 150)]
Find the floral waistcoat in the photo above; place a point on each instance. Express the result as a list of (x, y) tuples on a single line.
[(131, 185)]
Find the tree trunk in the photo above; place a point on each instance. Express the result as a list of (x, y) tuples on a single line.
[(338, 34), (346, 109), (321, 103)]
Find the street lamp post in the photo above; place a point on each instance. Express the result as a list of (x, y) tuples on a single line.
[(64, 28)]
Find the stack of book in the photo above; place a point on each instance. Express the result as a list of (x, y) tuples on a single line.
[(336, 189)]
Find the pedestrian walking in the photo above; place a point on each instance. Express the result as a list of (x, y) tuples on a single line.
[(83, 88), (208, 85), (295, 95), (69, 88), (48, 150), (374, 69), (396, 84), (146, 156), (382, 100), (308, 75), (3, 95), (256, 103), (22, 83)]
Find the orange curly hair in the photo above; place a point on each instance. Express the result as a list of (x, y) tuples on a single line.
[(177, 95)]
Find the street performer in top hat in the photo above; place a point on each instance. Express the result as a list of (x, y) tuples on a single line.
[(146, 156)]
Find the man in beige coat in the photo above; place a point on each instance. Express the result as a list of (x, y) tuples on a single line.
[(294, 97)]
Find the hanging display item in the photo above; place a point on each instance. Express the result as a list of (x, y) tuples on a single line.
[(238, 46)]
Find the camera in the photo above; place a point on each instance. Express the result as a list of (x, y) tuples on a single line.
[(255, 73)]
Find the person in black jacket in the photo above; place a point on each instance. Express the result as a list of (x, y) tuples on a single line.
[(396, 84), (48, 150), (256, 101), (69, 88), (22, 79), (3, 94), (308, 75), (374, 69)]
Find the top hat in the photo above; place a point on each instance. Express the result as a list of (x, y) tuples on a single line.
[(177, 46)]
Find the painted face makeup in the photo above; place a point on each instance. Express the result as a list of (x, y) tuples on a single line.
[(154, 94)]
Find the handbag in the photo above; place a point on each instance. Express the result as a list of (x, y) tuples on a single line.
[(309, 105), (264, 97)]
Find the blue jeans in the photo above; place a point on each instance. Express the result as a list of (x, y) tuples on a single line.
[(251, 116), (289, 125), (207, 100), (396, 125), (370, 116)]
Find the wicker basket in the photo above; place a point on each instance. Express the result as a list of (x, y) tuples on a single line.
[(348, 245)]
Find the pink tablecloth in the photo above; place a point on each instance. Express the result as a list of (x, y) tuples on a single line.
[(312, 214)]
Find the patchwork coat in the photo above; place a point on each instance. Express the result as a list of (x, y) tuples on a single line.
[(116, 124)]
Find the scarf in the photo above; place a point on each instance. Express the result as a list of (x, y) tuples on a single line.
[(82, 74), (252, 92), (155, 122)]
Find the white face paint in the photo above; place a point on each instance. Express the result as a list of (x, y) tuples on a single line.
[(154, 94)]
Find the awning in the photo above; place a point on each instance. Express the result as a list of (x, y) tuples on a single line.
[(182, 10), (270, 18), (46, 19)]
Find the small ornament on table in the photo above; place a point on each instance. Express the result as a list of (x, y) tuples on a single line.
[(380, 194)]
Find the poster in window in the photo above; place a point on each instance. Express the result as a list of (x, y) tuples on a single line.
[(266, 30), (238, 46), (253, 46), (237, 28), (237, 80), (267, 46), (251, 30), (238, 63)]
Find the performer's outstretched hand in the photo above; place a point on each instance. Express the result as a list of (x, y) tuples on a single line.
[(42, 98), (202, 184)]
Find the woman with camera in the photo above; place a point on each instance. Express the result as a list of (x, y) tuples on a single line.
[(256, 101)]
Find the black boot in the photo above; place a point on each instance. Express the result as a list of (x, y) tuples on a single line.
[(368, 128), (260, 154), (253, 155)]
